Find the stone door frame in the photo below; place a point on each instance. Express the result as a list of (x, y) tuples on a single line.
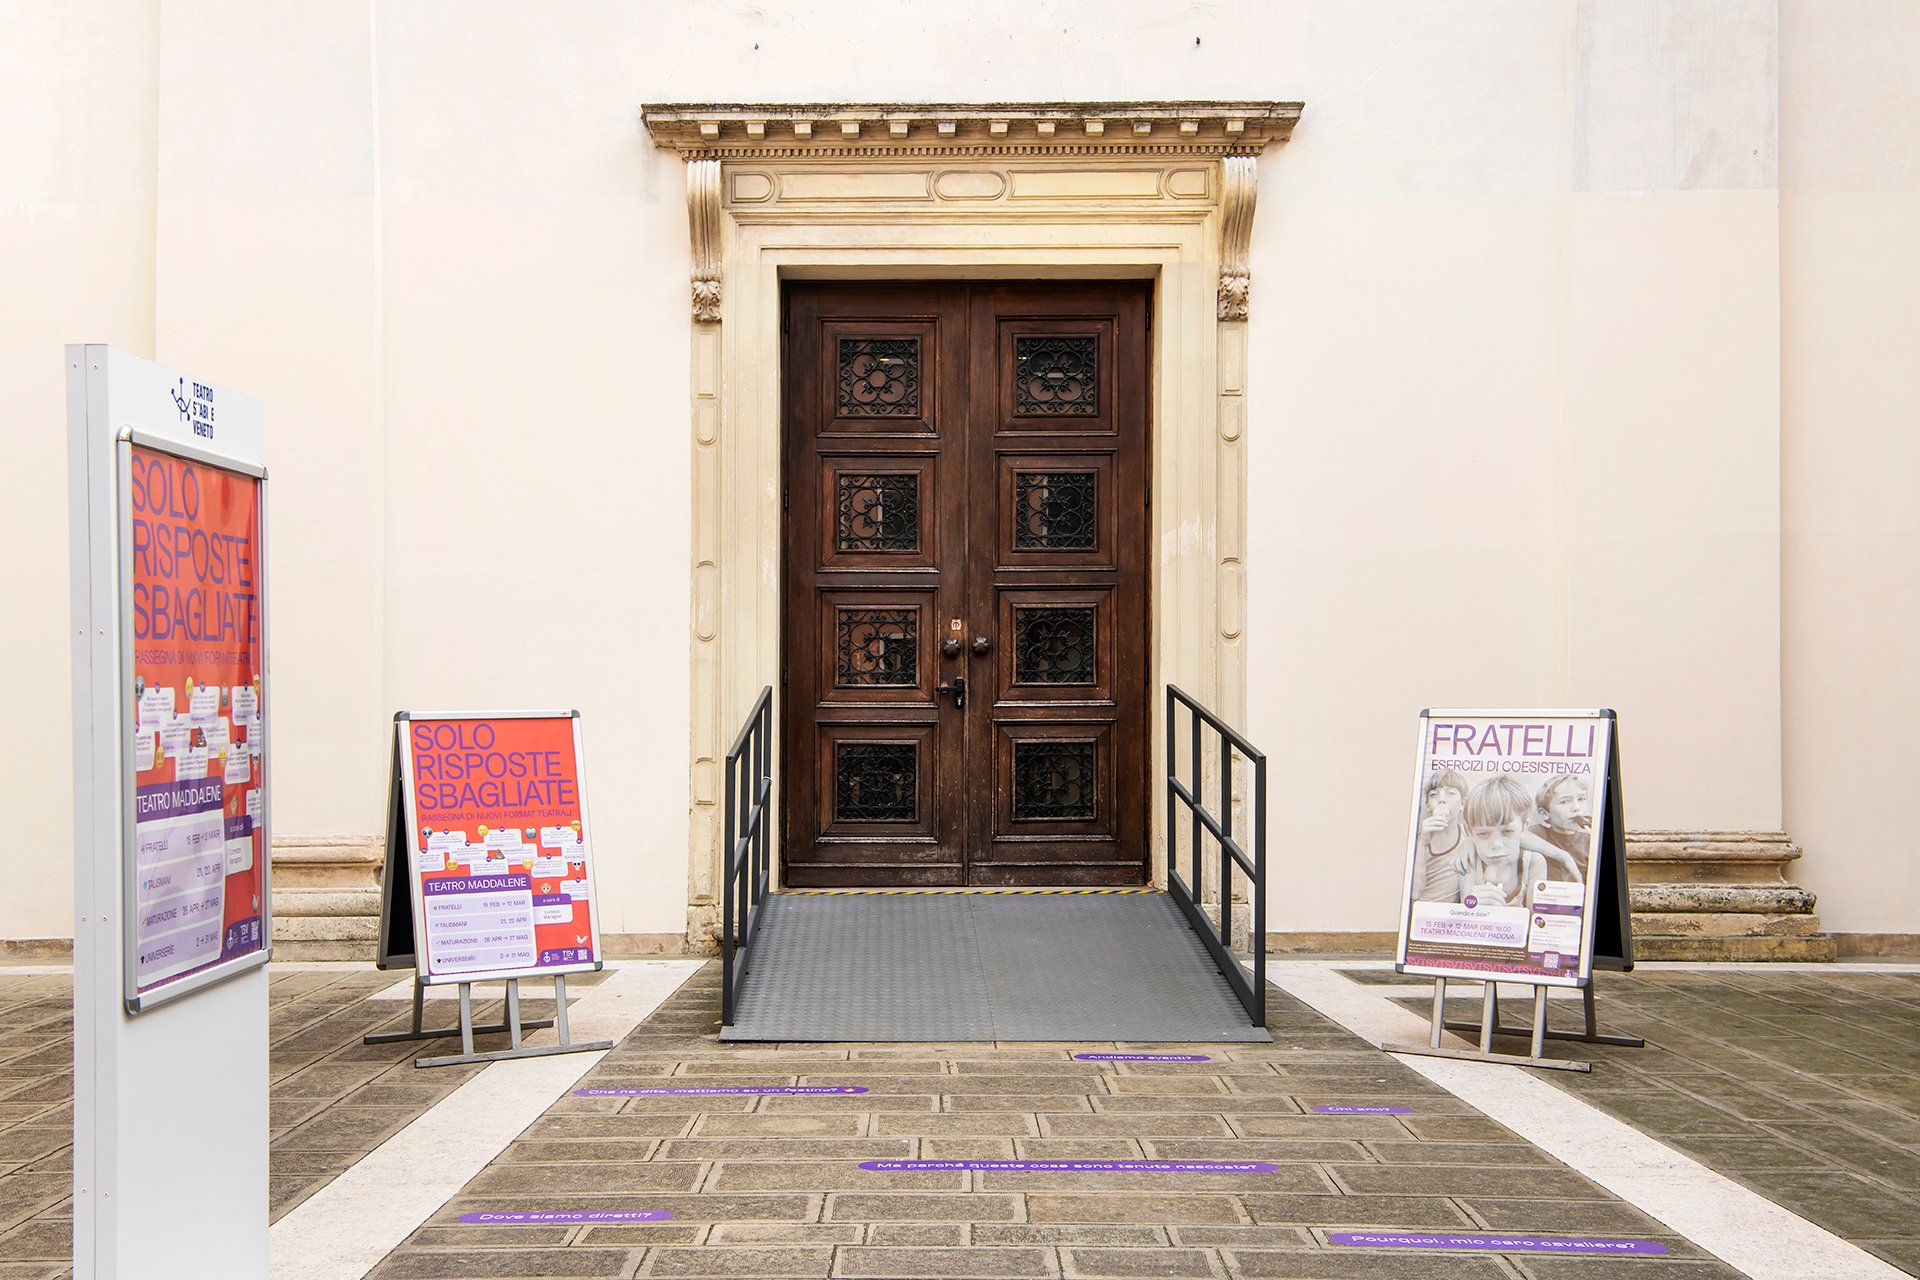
[(1155, 190)]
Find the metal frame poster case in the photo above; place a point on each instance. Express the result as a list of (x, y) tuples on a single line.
[(193, 656), (493, 814), (1515, 848)]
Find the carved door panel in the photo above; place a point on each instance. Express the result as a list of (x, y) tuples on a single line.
[(964, 660)]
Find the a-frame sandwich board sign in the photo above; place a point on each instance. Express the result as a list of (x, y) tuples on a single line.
[(1516, 866), (489, 867)]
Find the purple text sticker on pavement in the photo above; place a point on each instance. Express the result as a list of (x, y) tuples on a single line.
[(1497, 1244), (1074, 1166), (1364, 1111), (564, 1217), (730, 1089), (1143, 1057)]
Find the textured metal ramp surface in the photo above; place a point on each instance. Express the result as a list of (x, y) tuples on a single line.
[(984, 967)]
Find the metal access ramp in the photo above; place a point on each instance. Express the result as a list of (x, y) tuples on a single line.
[(920, 966), (1098, 965)]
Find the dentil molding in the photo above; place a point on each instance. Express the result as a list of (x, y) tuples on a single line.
[(898, 129)]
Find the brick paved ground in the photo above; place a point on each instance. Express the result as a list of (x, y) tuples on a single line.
[(1801, 1085), (1804, 1086), (333, 1098), (770, 1185)]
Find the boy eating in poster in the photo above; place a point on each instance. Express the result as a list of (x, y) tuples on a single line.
[(1565, 811), (1443, 838)]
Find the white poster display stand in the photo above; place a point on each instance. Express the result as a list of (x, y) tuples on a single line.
[(172, 822), (1516, 868)]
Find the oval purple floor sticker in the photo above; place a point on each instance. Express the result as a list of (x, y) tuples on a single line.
[(1364, 1111), (1142, 1057), (564, 1217), (720, 1089), (1495, 1244), (1074, 1166)]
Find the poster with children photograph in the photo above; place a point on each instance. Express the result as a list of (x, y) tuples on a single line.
[(1505, 848)]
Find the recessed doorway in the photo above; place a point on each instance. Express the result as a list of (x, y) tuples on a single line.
[(964, 659)]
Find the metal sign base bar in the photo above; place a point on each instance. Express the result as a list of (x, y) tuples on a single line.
[(420, 1033), (1488, 1027)]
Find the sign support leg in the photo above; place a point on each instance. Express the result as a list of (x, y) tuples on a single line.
[(1488, 1027), (418, 1033), (466, 1018), (560, 1006), (1589, 1036)]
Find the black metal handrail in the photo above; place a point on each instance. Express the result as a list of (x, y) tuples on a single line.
[(1219, 938), (748, 848)]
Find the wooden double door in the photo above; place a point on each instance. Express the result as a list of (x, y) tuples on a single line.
[(964, 686)]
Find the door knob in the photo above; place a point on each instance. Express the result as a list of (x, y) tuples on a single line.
[(958, 689), (981, 644), (951, 646)]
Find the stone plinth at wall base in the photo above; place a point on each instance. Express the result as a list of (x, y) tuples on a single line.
[(1740, 950), (1878, 946), (1372, 944), (1720, 895), (32, 950), (637, 946)]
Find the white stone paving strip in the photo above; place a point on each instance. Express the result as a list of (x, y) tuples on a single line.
[(1738, 1226), (344, 1229)]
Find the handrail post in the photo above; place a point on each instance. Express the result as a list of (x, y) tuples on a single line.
[(1259, 939), (726, 902), (1173, 794), (1226, 833), (1196, 791)]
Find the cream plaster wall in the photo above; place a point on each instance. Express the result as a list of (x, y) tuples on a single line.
[(1515, 358), (76, 264), (1850, 281), (1515, 427)]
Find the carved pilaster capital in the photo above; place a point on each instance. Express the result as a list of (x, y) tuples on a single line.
[(703, 215), (1237, 187)]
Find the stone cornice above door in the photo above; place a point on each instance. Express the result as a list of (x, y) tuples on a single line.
[(900, 130), (1111, 163)]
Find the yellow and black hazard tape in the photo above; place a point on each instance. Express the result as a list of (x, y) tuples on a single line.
[(851, 893)]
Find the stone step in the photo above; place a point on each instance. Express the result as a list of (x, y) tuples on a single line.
[(1709, 857), (1749, 899), (328, 862), (1721, 924), (298, 903)]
